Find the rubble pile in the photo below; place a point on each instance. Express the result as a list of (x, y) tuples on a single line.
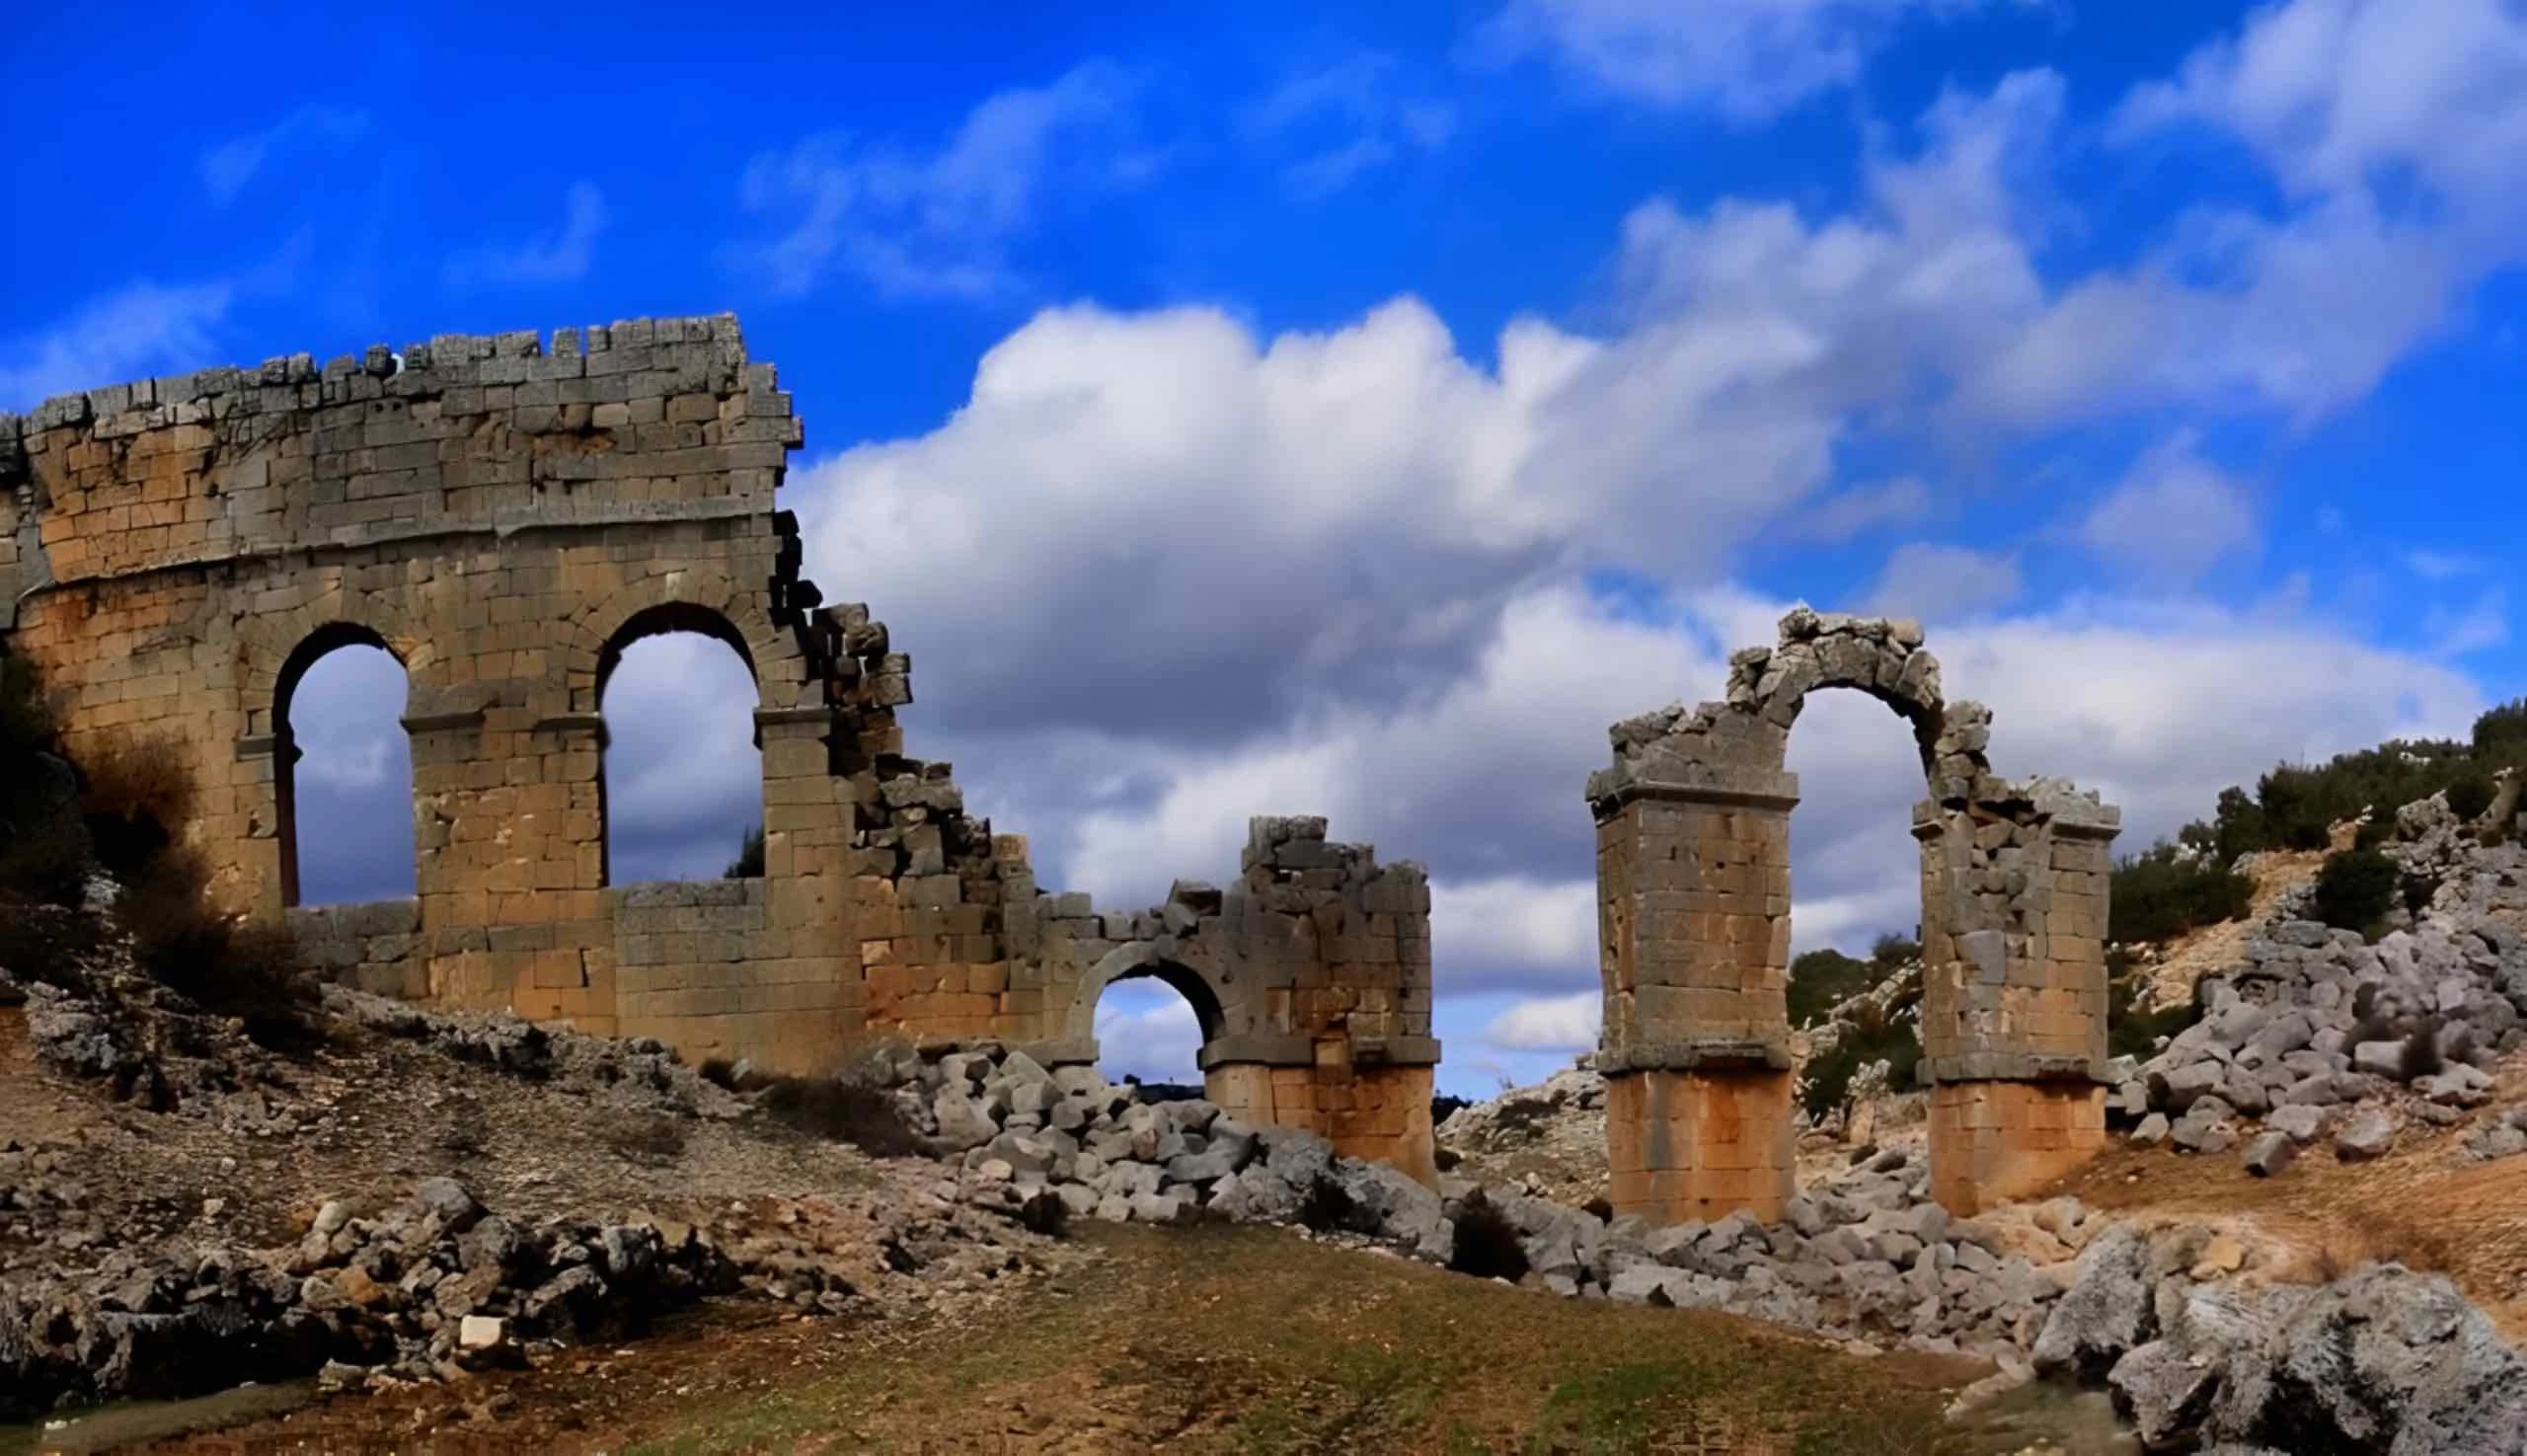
[(2316, 1032)]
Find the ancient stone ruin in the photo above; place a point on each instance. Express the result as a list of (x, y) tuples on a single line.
[(506, 515), (1693, 890)]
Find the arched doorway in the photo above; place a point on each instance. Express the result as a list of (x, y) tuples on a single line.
[(681, 782), (342, 771)]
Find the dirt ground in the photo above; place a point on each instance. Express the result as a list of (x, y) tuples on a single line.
[(1196, 1340)]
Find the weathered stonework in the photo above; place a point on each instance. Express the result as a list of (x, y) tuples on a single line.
[(506, 515), (1693, 878)]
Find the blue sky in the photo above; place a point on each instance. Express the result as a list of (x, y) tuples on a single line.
[(1354, 409)]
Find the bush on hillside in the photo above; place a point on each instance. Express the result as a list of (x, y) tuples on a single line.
[(2470, 793), (2355, 889), (2161, 893), (2501, 735), (2295, 804), (1821, 980)]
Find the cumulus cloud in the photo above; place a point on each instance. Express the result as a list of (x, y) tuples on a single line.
[(1860, 509), (937, 221), (1927, 579), (226, 168), (138, 330), (2396, 144), (556, 257), (1336, 122), (2173, 515), (1746, 62)]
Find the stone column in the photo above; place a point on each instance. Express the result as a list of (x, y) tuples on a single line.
[(1693, 904), (1369, 1098), (2014, 991)]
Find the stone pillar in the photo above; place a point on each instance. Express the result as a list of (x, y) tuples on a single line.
[(2013, 992), (1692, 904)]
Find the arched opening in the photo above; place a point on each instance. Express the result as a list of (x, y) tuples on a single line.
[(1152, 1021), (681, 783), (1856, 883), (342, 771)]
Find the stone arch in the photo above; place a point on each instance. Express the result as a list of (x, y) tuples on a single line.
[(658, 619), (314, 645), (1180, 965), (681, 601), (1693, 835), (278, 649)]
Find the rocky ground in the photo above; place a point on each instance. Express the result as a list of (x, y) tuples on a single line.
[(428, 1208)]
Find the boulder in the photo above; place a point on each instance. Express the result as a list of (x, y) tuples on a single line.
[(2367, 1133), (2105, 1313), (2269, 1153)]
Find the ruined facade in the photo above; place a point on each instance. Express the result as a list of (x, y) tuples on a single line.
[(506, 515), (1693, 878)]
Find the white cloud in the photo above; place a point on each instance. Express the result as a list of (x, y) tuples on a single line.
[(1344, 118), (1862, 509), (139, 329), (2484, 624), (2443, 565), (1746, 62), (2173, 515), (558, 257), (1927, 579), (937, 221), (2398, 141), (1548, 1024), (226, 168)]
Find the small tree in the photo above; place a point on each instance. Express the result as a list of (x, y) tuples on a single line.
[(748, 865), (2355, 889)]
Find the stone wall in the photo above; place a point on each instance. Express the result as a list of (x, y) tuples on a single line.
[(506, 515), (1694, 905)]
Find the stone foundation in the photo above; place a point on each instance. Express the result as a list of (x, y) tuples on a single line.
[(1991, 1142), (1695, 1146), (1381, 1114)]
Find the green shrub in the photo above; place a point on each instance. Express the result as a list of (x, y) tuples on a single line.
[(2160, 894), (2355, 889)]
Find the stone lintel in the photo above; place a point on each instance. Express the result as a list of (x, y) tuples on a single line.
[(1270, 1048), (821, 715), (592, 723), (256, 745), (436, 722), (2011, 1066), (1711, 1055), (1740, 788), (1394, 1051)]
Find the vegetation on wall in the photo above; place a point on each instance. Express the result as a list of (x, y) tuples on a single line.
[(112, 825)]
